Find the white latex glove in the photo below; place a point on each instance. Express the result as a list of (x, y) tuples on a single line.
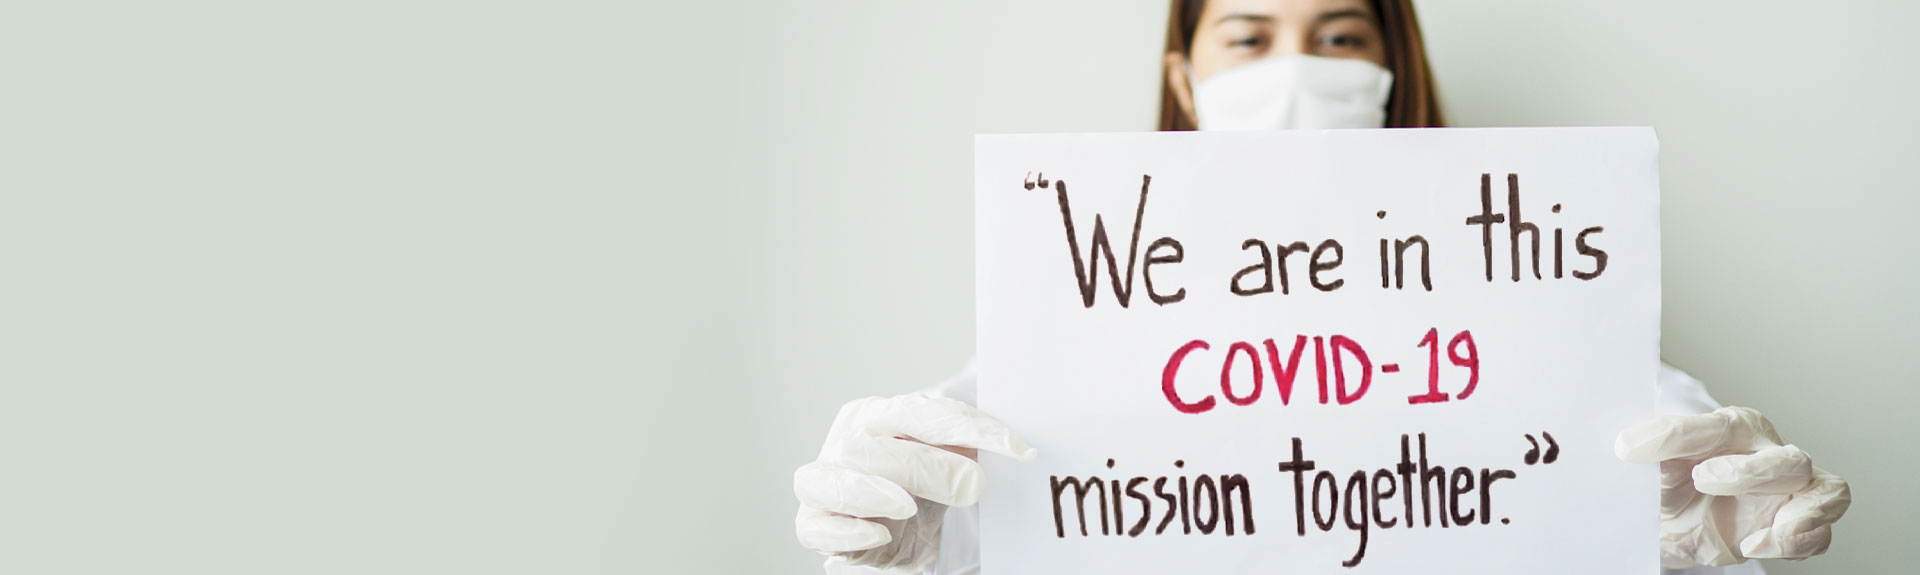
[(889, 470), (1731, 489)]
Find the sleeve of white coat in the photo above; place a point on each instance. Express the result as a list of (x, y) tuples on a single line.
[(960, 531), (1681, 394)]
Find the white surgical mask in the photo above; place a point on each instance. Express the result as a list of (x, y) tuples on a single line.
[(1295, 92)]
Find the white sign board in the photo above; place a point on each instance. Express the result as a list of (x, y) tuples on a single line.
[(1369, 351)]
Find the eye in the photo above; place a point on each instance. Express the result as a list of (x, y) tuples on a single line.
[(1248, 42), (1346, 41)]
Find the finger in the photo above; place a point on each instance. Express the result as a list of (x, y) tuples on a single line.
[(1725, 430), (851, 416), (1770, 471), (923, 470), (1765, 544), (837, 489), (1683, 544), (828, 533), (943, 421), (1802, 527), (1676, 487)]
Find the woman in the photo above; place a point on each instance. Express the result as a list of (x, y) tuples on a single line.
[(1731, 488)]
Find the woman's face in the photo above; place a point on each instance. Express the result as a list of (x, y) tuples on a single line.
[(1235, 32)]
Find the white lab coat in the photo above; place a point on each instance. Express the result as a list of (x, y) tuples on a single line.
[(960, 534)]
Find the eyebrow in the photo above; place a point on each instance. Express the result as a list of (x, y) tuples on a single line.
[(1323, 18), (1250, 17)]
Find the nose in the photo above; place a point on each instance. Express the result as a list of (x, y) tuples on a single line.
[(1291, 39)]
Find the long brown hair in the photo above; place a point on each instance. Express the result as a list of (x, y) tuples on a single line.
[(1413, 104)]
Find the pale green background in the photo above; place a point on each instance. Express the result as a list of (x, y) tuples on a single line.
[(571, 287)]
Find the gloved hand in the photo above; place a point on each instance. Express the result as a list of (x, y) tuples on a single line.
[(1731, 489), (889, 470)]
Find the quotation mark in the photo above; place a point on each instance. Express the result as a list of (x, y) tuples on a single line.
[(1037, 179), (1553, 450)]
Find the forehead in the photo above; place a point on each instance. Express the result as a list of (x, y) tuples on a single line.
[(1282, 10)]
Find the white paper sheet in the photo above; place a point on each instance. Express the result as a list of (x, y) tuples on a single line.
[(1569, 354)]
